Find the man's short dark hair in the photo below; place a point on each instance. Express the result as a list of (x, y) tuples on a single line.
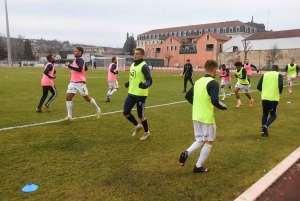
[(238, 63), (141, 50), (210, 65), (188, 60), (80, 49), (275, 68), (223, 65), (49, 57), (113, 59)]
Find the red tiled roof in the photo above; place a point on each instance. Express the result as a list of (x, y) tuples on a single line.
[(183, 38), (275, 34), (199, 26), (218, 37)]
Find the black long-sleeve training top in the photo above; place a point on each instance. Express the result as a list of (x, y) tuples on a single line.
[(212, 90), (80, 63), (188, 70), (297, 68), (49, 68), (145, 71), (252, 66), (113, 67), (280, 83)]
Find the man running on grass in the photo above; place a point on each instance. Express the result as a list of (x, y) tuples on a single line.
[(242, 83), (291, 71), (48, 84), (203, 96), (112, 79), (78, 83), (226, 80), (271, 86), (139, 82)]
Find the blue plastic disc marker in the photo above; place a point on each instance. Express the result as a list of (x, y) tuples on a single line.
[(29, 188)]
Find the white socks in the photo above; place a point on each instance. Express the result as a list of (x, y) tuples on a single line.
[(196, 145), (93, 102), (69, 108), (203, 155), (113, 91), (239, 101), (108, 93), (223, 92)]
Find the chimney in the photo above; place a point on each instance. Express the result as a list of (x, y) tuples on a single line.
[(127, 35), (252, 19)]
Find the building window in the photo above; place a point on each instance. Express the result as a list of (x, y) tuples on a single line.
[(141, 43), (207, 37), (224, 30), (230, 30), (171, 40), (161, 42), (167, 48), (156, 42), (221, 48), (152, 49), (152, 42), (238, 29), (218, 31), (209, 47), (212, 30), (246, 29), (200, 32), (145, 43), (171, 48), (175, 48), (138, 44)]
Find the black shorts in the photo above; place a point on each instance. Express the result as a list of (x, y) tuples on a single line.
[(270, 107), (140, 105)]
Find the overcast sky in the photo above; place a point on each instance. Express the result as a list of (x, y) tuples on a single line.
[(106, 22)]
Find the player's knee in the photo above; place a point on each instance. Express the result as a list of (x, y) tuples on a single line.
[(126, 115), (143, 119)]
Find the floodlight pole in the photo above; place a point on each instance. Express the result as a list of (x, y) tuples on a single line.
[(8, 37)]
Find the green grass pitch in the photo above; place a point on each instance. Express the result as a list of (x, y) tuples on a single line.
[(98, 159)]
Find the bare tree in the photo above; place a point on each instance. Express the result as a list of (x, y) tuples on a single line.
[(247, 47), (168, 56), (273, 55)]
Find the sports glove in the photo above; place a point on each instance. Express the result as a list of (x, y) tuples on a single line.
[(142, 85), (126, 84), (236, 75), (257, 71)]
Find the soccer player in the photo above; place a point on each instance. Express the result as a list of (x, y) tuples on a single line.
[(139, 82), (78, 83), (226, 80), (203, 96), (188, 74), (242, 83), (271, 86), (112, 79), (248, 68), (47, 84), (291, 71)]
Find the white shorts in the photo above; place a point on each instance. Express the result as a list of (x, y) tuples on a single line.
[(204, 132), (81, 87), (113, 85), (225, 83), (245, 88), (291, 77)]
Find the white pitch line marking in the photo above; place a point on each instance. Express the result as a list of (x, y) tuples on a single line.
[(88, 116)]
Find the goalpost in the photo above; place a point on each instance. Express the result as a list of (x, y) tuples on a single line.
[(106, 61)]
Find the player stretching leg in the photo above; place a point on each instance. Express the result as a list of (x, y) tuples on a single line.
[(139, 82), (112, 79), (291, 72), (78, 83), (242, 83), (48, 85), (226, 80), (203, 96)]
